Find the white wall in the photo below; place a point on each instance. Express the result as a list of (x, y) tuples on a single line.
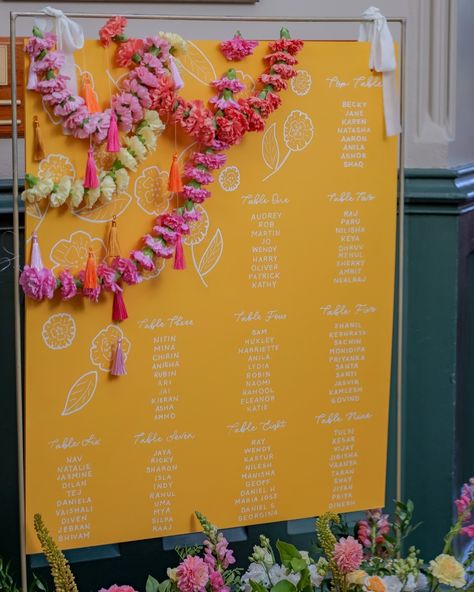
[(440, 76)]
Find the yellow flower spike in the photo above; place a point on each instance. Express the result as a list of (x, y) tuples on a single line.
[(327, 541), (58, 564)]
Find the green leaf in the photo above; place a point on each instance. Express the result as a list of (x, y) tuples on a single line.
[(164, 586), (256, 587), (287, 552), (297, 564), (283, 586), (152, 585)]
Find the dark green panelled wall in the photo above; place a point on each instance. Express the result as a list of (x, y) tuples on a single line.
[(438, 403)]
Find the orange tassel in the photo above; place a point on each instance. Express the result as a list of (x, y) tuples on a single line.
[(89, 95), (38, 146), (175, 184), (113, 246), (90, 278)]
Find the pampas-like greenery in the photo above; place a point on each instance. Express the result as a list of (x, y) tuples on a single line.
[(58, 564)]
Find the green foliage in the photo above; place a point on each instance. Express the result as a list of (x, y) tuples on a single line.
[(7, 583), (402, 525), (183, 552)]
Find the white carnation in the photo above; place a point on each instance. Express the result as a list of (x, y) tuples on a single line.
[(153, 120), (92, 196), (127, 159), (149, 138), (107, 188), (43, 188), (122, 180), (137, 147), (175, 41), (76, 194), (392, 583), (58, 197)]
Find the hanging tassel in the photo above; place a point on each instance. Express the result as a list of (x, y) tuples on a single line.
[(35, 257), (89, 95), (118, 364), (175, 75), (179, 262), (38, 146), (91, 180), (113, 246), (113, 144), (119, 310), (90, 278), (175, 184), (32, 78)]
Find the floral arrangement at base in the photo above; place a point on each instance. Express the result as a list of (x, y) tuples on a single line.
[(364, 558)]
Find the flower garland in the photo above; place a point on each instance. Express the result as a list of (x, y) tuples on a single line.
[(216, 130), (131, 108)]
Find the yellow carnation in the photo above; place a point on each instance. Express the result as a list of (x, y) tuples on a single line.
[(153, 120), (171, 573), (76, 194), (58, 197), (137, 147), (175, 41), (148, 137), (448, 570)]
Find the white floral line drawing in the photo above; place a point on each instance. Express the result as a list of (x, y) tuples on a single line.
[(71, 253), (59, 331), (210, 257), (101, 352), (301, 84), (298, 132), (229, 178), (197, 64)]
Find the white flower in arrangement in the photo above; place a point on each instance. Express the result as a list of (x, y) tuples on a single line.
[(413, 584), (58, 197), (306, 557), (92, 196), (127, 159), (137, 147), (171, 573), (153, 120), (107, 188), (257, 573), (262, 555), (29, 195), (76, 195), (44, 187), (122, 180), (175, 41), (316, 578), (149, 138), (392, 583), (279, 573)]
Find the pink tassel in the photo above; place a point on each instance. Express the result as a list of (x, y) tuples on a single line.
[(113, 144), (118, 364), (91, 180), (119, 311), (32, 79), (179, 255), (35, 257), (175, 75)]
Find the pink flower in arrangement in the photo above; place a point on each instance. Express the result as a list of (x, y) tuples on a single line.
[(59, 96), (163, 96), (127, 269), (231, 127), (465, 499), (116, 588), (65, 108), (36, 45), (68, 285), (348, 554), (144, 260), (108, 277), (210, 160), (231, 84), (255, 121), (364, 534), (195, 194), (199, 175), (133, 86), (51, 61), (285, 71), (114, 27), (174, 221), (37, 283), (222, 103), (192, 575), (146, 77), (237, 48), (468, 531), (225, 555), (53, 85), (292, 46), (153, 63), (192, 215), (127, 51), (275, 81), (196, 120), (168, 235), (157, 43), (280, 56), (158, 247), (216, 580)]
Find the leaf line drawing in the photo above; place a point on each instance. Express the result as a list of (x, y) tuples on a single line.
[(197, 64), (80, 393), (106, 211), (298, 132), (210, 257)]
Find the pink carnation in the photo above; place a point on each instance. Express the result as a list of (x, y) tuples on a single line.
[(199, 175), (128, 51), (292, 46), (237, 48), (36, 45), (68, 285), (280, 56), (37, 284), (114, 27), (158, 247), (142, 259), (192, 575), (209, 159), (51, 61), (116, 588), (348, 554), (284, 71), (192, 215), (195, 194), (273, 80), (231, 84), (108, 277), (127, 269)]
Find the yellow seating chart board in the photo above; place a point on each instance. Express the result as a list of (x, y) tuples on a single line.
[(257, 383)]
